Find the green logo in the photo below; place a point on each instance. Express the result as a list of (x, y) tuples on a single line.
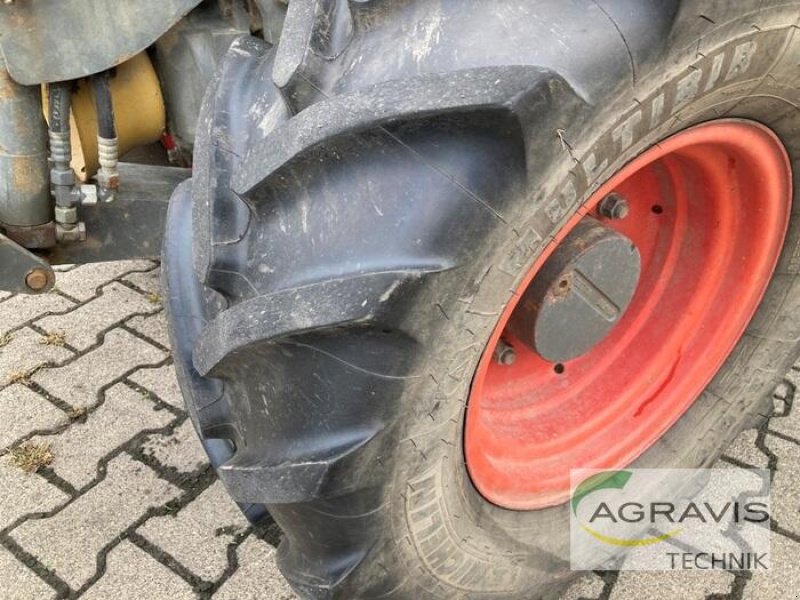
[(611, 480)]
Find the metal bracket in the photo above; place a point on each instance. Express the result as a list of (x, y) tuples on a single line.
[(129, 227), (21, 271), (132, 226)]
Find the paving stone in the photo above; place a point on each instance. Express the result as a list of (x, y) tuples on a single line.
[(785, 491), (79, 382), (24, 583), (21, 309), (25, 352), (199, 534), (590, 586), (23, 493), (149, 281), (84, 324), (790, 424), (744, 450), (162, 382), (132, 574), (668, 585), (258, 577), (124, 413), (68, 542), (783, 577), (23, 411), (82, 282), (153, 326), (180, 450)]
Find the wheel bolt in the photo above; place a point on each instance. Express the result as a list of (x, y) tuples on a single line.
[(504, 354), (614, 206)]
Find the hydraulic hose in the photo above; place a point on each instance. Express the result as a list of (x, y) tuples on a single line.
[(106, 126), (61, 175), (107, 143)]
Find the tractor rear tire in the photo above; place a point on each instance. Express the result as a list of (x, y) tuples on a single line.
[(366, 198)]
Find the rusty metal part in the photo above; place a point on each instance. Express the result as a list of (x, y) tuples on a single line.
[(21, 271), (107, 141), (132, 225), (139, 115), (614, 206), (108, 174), (24, 196), (504, 353), (59, 40), (33, 237), (67, 233), (580, 294), (36, 279)]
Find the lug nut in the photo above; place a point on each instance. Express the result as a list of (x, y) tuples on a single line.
[(36, 279), (504, 354), (614, 206)]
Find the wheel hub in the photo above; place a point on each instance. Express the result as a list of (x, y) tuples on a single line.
[(579, 295)]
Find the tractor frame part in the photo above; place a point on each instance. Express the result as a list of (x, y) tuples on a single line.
[(26, 212)]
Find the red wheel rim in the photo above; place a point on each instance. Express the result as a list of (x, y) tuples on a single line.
[(709, 210)]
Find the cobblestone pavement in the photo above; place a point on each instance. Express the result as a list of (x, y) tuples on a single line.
[(123, 504)]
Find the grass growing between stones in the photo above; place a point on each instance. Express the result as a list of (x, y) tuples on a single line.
[(32, 457), (24, 377), (53, 338), (154, 298), (78, 413)]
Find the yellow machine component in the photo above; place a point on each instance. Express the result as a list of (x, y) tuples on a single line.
[(139, 113)]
